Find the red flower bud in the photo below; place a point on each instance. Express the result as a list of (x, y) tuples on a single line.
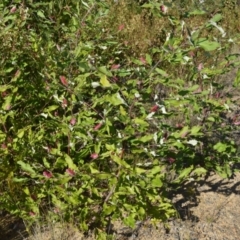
[(154, 108)]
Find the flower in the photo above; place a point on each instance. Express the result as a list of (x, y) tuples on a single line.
[(47, 174), (64, 103), (163, 9), (115, 66), (143, 60), (171, 160), (154, 108), (121, 27), (71, 172), (73, 121), (13, 9), (63, 80), (94, 155), (32, 214), (97, 126)]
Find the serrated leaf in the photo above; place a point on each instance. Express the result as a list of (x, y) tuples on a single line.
[(26, 167)]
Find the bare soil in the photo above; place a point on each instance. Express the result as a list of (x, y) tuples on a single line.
[(213, 215)]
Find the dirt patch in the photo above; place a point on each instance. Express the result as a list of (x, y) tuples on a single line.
[(214, 214)]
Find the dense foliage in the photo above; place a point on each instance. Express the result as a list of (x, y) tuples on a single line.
[(109, 107)]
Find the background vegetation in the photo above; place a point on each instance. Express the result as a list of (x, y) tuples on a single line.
[(108, 108)]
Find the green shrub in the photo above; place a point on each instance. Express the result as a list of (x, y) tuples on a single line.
[(95, 129)]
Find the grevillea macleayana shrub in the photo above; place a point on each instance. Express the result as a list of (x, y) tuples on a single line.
[(95, 138)]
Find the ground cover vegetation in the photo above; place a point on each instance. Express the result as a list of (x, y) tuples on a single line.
[(108, 108)]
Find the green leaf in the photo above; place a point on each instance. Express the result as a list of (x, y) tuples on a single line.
[(122, 111), (140, 122), (114, 99), (184, 174), (195, 130), (197, 12), (156, 182), (220, 147), (103, 71), (46, 163), (161, 72), (92, 169), (155, 170), (209, 45), (120, 162), (108, 209), (69, 162), (200, 171), (148, 59), (26, 167), (146, 138), (41, 14), (20, 180), (7, 103), (51, 108), (237, 79), (104, 81), (216, 18), (129, 221), (3, 88), (20, 133)]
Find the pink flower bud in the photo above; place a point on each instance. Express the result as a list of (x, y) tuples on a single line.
[(154, 108), (163, 9), (13, 9), (47, 174), (97, 126), (63, 80), (94, 155), (73, 121), (121, 27), (143, 60), (171, 160), (70, 172), (64, 103)]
